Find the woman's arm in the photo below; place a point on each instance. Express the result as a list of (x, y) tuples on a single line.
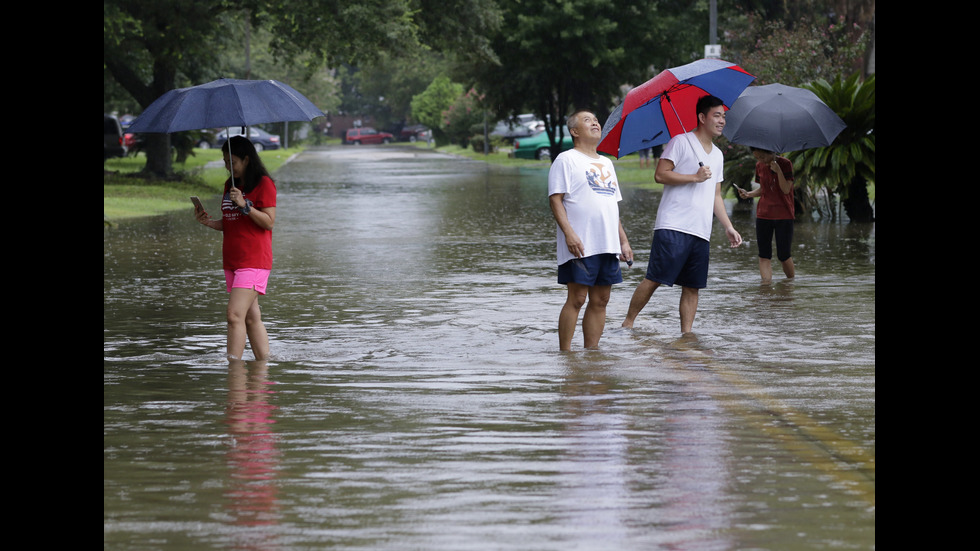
[(748, 194), (205, 219), (263, 218), (785, 184)]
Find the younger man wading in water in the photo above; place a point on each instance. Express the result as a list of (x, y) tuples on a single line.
[(584, 196), (691, 171)]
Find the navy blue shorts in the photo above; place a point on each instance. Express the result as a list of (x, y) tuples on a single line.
[(599, 269), (764, 229), (678, 257)]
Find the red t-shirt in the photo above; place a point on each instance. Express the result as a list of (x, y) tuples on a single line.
[(773, 203), (246, 245)]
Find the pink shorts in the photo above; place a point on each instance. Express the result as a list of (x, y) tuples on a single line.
[(247, 278)]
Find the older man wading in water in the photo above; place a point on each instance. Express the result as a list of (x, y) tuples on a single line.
[(584, 195)]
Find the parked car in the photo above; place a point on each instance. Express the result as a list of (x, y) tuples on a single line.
[(261, 138), (113, 143), (132, 141), (126, 120), (415, 133), (525, 125), (538, 146), (205, 139), (366, 135)]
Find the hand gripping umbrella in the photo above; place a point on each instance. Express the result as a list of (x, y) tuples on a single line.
[(664, 106), (225, 103), (781, 118)]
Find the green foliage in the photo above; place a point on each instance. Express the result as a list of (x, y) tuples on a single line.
[(331, 32), (384, 88), (460, 118), (807, 51), (150, 48), (428, 107), (847, 166), (558, 55), (127, 195)]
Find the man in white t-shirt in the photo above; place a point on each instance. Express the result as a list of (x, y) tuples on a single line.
[(584, 195), (690, 169)]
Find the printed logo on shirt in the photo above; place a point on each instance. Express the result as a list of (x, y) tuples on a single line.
[(601, 179)]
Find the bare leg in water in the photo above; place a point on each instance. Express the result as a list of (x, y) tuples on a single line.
[(245, 320)]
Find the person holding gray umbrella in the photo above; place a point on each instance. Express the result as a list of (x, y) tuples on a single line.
[(248, 214), (775, 212), (778, 118)]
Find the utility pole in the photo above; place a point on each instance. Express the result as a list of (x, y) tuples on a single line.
[(712, 50)]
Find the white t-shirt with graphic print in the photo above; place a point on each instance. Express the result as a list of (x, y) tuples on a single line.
[(591, 202)]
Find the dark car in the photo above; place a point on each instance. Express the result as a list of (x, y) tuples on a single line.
[(365, 135), (260, 138), (112, 138), (415, 133), (538, 146), (205, 139)]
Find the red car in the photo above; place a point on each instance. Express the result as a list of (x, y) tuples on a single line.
[(365, 135)]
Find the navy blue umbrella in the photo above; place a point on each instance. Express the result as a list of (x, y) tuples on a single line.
[(225, 103)]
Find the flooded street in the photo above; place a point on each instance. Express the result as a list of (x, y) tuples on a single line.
[(417, 400)]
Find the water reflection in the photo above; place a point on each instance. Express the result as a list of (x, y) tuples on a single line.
[(416, 399), (253, 458)]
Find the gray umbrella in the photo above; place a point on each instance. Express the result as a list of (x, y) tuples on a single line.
[(781, 118)]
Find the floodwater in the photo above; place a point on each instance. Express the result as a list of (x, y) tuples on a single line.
[(416, 399)]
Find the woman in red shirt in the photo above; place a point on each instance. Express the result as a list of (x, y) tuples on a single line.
[(248, 213), (775, 213)]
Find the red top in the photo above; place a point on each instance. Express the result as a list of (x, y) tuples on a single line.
[(246, 245), (773, 203)]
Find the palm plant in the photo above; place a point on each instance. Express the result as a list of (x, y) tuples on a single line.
[(847, 166)]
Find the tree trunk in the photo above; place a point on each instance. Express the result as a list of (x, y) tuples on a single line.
[(158, 160), (857, 205)]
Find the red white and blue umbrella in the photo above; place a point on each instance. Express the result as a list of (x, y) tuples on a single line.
[(664, 106)]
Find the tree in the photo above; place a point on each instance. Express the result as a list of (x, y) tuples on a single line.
[(145, 45), (808, 51), (559, 55), (847, 166), (797, 42), (429, 107), (150, 48), (465, 114), (385, 87)]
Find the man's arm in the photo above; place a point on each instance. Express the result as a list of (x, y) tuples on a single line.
[(666, 175), (575, 245), (624, 244), (734, 239)]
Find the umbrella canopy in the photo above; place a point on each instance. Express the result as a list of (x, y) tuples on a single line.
[(781, 118), (664, 106), (225, 103)]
